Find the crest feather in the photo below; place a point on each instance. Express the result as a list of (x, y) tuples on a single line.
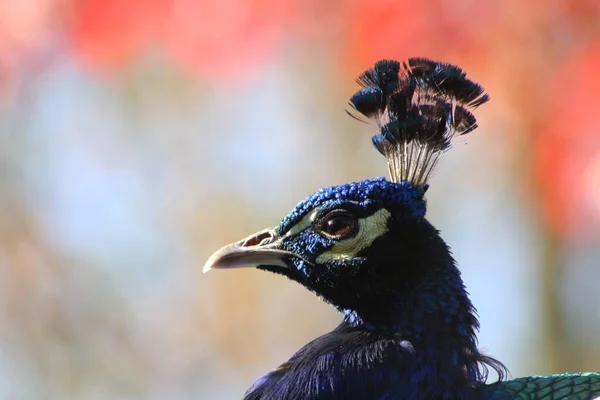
[(419, 106)]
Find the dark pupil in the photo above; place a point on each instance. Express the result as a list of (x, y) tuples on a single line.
[(340, 225)]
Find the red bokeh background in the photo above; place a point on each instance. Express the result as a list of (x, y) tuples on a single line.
[(552, 75)]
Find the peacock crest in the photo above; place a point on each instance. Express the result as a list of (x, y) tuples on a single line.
[(419, 106)]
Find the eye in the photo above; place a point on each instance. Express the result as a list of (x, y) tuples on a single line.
[(338, 224)]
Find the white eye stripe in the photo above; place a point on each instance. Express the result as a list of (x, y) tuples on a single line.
[(304, 223), (369, 229)]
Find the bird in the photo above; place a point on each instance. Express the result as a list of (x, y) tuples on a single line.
[(408, 329)]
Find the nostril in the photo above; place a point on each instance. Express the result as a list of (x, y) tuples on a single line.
[(261, 238)]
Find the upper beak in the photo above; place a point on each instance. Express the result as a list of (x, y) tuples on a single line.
[(262, 248)]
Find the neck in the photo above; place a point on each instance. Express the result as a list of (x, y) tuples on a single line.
[(436, 310), (428, 306), (438, 321)]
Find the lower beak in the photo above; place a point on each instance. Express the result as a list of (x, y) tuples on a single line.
[(261, 249)]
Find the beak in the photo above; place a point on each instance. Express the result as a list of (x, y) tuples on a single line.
[(262, 248)]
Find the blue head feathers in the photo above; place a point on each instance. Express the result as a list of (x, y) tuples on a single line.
[(369, 193)]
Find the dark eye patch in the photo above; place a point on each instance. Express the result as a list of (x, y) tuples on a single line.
[(338, 224), (339, 219)]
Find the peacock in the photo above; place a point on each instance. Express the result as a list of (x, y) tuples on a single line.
[(409, 328)]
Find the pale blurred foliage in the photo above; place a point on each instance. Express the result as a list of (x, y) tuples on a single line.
[(114, 194), (115, 190)]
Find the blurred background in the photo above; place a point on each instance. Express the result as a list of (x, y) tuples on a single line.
[(138, 137)]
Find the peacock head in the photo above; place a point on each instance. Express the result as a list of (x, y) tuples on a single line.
[(342, 242), (361, 245)]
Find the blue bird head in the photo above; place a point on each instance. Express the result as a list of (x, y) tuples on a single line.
[(344, 242)]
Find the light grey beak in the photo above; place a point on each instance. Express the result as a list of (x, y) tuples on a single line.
[(262, 248)]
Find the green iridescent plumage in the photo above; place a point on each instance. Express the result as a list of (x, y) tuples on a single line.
[(584, 386)]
